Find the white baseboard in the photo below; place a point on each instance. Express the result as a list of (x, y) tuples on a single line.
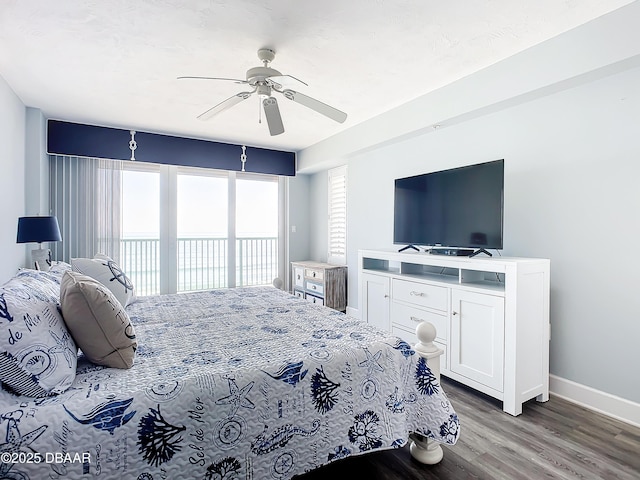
[(602, 402)]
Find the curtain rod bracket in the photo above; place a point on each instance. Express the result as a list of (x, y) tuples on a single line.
[(133, 145), (243, 157)]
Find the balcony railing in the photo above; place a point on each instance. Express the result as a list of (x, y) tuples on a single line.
[(140, 260), (202, 263)]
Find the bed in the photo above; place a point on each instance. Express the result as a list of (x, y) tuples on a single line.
[(248, 383)]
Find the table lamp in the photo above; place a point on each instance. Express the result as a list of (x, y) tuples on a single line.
[(39, 229)]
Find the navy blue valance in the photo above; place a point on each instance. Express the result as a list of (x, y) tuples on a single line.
[(66, 138)]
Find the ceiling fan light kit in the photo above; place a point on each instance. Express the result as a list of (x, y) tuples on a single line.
[(272, 114), (264, 81)]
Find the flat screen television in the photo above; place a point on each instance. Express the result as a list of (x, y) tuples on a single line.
[(458, 208)]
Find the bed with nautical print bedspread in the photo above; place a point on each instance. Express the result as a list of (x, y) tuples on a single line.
[(247, 383)]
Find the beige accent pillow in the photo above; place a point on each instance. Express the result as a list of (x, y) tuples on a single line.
[(97, 321)]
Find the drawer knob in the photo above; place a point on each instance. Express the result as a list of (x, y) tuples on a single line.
[(418, 294), (455, 313)]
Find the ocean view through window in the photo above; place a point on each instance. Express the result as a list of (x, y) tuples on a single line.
[(192, 229)]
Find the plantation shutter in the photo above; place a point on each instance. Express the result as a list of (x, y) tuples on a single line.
[(337, 216)]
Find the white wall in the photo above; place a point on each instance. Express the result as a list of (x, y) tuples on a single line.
[(298, 217), (36, 164), (319, 214), (12, 166)]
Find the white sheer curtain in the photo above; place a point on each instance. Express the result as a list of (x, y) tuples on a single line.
[(85, 195)]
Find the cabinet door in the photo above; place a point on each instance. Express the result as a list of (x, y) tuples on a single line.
[(375, 300), (477, 337)]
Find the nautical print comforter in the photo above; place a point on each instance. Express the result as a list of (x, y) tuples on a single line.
[(249, 383)]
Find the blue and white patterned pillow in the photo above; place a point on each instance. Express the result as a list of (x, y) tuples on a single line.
[(38, 356), (58, 268)]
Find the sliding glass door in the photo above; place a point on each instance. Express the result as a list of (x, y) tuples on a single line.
[(202, 231), (140, 216), (192, 229), (256, 229)]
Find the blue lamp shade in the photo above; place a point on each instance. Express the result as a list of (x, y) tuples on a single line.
[(38, 229)]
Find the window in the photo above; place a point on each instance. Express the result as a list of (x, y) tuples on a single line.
[(172, 229), (214, 229), (256, 230), (202, 230), (140, 236), (337, 210)]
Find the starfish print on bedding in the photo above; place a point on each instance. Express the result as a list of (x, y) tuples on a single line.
[(16, 442), (237, 397), (371, 363), (62, 346)]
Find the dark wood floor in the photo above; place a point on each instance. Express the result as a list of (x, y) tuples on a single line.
[(552, 440)]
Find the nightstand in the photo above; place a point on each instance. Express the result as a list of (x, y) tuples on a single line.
[(320, 283)]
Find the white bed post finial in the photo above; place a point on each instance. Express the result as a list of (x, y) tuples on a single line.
[(422, 448), (426, 333)]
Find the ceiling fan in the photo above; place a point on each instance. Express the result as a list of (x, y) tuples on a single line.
[(264, 81)]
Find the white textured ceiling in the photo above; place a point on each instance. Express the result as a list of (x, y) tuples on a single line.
[(115, 62)]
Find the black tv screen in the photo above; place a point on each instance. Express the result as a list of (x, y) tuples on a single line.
[(460, 207)]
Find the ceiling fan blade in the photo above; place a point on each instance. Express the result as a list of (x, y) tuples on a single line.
[(317, 105), (282, 81), (235, 80), (272, 114), (222, 106)]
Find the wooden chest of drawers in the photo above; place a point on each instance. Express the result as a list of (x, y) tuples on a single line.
[(320, 283)]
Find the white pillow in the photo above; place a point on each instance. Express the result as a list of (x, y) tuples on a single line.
[(38, 356), (58, 268), (103, 269)]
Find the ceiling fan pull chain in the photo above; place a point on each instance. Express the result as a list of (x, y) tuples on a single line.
[(133, 145), (243, 157)]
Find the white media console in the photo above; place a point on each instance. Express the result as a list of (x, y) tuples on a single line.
[(491, 316)]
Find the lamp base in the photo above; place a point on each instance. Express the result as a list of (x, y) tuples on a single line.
[(41, 259)]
